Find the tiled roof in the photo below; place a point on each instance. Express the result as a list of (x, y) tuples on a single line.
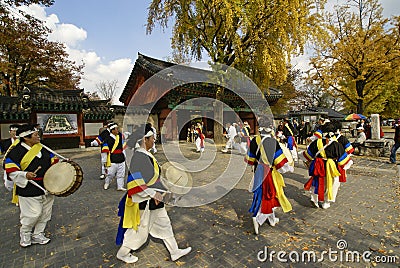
[(11, 109), (147, 67), (53, 100)]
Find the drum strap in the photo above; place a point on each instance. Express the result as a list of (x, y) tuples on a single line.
[(40, 187)]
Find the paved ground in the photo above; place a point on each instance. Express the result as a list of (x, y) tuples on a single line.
[(83, 227)]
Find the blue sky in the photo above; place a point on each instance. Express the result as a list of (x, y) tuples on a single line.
[(107, 36), (116, 29)]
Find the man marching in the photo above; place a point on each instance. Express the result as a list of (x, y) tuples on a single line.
[(26, 163), (327, 158), (114, 145), (288, 131), (4, 146), (199, 138), (142, 208), (104, 132), (244, 137), (269, 162)]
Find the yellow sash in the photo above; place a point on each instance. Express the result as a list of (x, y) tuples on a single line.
[(291, 132), (330, 168), (116, 142), (132, 213), (30, 155), (277, 178), (320, 146), (25, 162), (264, 157), (331, 172), (246, 131)]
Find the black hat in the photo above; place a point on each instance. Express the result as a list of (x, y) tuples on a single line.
[(14, 127), (26, 130), (148, 130), (144, 130)]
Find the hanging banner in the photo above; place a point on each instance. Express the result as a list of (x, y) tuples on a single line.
[(53, 124)]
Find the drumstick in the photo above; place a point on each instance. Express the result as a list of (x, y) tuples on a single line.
[(39, 167), (37, 185)]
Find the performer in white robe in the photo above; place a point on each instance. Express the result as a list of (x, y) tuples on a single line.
[(141, 209)]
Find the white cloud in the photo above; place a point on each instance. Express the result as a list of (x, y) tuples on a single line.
[(68, 34), (114, 70), (72, 37)]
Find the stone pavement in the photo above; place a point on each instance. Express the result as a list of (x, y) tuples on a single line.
[(83, 227)]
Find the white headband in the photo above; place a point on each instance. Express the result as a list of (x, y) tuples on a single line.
[(13, 128), (149, 134), (266, 129), (113, 126), (27, 133)]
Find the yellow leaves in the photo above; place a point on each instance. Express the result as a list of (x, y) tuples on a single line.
[(180, 263), (257, 33)]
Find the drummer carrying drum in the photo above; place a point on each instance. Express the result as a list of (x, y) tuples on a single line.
[(27, 162), (142, 208)]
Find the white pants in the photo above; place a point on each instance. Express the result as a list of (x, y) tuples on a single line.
[(198, 145), (103, 157), (35, 213), (116, 170), (294, 154), (243, 147), (261, 217), (335, 189), (230, 144), (157, 224)]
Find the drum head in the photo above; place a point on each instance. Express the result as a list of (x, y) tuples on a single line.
[(175, 178), (59, 178)]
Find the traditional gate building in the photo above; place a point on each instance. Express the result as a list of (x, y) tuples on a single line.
[(181, 100)]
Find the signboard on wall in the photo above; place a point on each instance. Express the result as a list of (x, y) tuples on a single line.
[(53, 124)]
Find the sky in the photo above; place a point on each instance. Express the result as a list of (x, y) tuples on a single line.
[(108, 35)]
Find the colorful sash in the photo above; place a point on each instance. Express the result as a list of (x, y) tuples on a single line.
[(136, 184), (291, 141), (25, 162), (116, 142)]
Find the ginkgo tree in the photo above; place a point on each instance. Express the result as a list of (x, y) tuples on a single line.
[(358, 55), (256, 37)]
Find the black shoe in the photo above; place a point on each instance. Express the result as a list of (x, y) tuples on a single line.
[(390, 162)]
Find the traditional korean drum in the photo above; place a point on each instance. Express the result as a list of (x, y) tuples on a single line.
[(63, 178), (175, 178)]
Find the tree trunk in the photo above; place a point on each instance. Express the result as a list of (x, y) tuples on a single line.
[(360, 85), (360, 106), (218, 117)]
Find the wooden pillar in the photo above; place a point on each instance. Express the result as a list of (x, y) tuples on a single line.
[(81, 130), (174, 125)]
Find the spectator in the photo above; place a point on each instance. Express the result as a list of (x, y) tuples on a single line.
[(396, 142), (367, 127), (360, 140), (302, 129)]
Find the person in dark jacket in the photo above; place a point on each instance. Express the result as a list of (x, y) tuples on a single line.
[(396, 142), (26, 163)]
